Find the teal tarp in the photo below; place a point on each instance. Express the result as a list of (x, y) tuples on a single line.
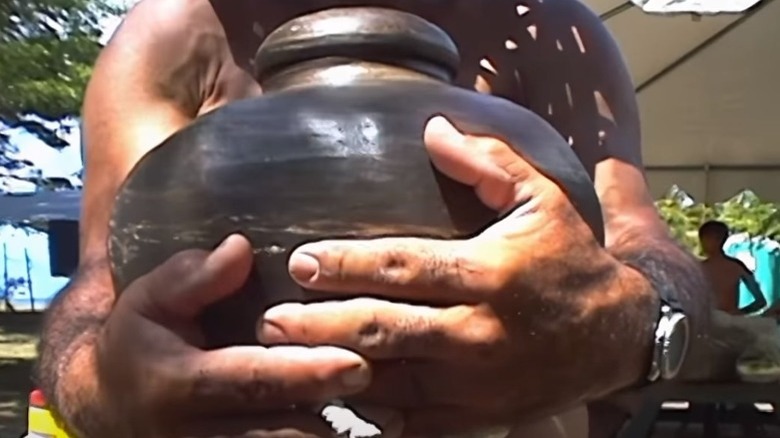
[(762, 256)]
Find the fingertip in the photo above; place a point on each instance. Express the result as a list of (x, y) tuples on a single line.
[(317, 356), (226, 268), (284, 311), (303, 266), (234, 251), (340, 355), (438, 130), (355, 378), (343, 372), (354, 372), (439, 123), (235, 241)]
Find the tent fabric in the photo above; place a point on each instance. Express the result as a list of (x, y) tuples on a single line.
[(707, 95)]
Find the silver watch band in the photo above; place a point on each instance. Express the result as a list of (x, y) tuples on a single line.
[(671, 344)]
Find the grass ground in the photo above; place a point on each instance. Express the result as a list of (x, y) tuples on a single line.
[(18, 338)]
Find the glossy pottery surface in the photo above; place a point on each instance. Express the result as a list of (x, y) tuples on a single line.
[(334, 149)]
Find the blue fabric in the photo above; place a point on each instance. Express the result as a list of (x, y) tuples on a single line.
[(762, 256)]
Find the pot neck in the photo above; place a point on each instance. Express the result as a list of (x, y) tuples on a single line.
[(334, 72), (344, 46)]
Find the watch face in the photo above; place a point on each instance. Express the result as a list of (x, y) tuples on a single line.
[(675, 345)]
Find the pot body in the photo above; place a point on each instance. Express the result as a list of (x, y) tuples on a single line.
[(315, 162)]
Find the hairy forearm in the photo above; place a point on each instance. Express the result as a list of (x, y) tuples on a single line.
[(67, 368), (661, 258), (677, 266)]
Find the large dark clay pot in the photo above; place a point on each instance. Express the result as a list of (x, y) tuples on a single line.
[(334, 148)]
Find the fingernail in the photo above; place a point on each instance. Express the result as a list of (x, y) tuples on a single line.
[(270, 332), (303, 267), (231, 238), (283, 311), (356, 377), (441, 125), (224, 242)]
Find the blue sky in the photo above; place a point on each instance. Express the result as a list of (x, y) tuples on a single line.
[(68, 161)]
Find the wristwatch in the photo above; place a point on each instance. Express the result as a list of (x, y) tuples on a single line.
[(672, 338)]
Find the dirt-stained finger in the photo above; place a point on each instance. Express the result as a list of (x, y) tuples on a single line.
[(190, 281), (380, 329), (374, 328), (256, 379), (423, 270), (491, 166)]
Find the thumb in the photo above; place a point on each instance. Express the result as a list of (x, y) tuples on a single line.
[(192, 280), (457, 155), (492, 167)]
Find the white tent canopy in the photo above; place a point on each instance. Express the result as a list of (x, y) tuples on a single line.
[(707, 94)]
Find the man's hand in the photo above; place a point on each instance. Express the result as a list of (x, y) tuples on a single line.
[(157, 381), (525, 319)]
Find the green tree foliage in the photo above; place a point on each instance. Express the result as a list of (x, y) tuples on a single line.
[(47, 48), (744, 213)]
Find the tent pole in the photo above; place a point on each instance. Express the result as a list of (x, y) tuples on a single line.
[(616, 10)]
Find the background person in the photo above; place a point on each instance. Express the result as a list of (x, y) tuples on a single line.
[(725, 273)]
